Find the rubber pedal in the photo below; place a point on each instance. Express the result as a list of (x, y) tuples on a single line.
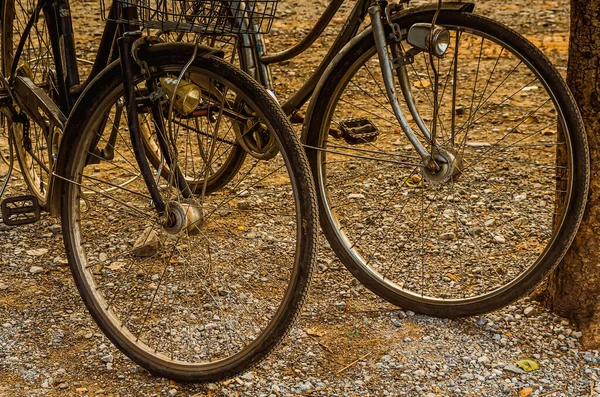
[(20, 210), (358, 130)]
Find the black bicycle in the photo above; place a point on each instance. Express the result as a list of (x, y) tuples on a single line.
[(193, 261), (449, 156)]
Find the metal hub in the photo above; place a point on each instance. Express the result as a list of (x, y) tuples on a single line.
[(450, 167), (188, 216)]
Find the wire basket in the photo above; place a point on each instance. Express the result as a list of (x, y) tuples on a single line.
[(194, 16)]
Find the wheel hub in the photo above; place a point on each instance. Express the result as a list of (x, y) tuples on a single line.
[(449, 167), (182, 216)]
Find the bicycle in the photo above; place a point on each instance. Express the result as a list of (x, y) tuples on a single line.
[(192, 261), (459, 199)]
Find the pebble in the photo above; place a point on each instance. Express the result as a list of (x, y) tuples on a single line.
[(356, 196), (56, 228), (500, 239), (36, 269), (448, 236), (529, 311), (107, 359), (243, 205)]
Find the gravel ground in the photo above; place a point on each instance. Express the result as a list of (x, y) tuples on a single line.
[(348, 342)]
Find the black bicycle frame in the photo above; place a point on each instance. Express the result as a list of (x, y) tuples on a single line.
[(347, 32)]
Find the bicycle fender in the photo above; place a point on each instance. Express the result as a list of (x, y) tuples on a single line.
[(366, 34), (112, 71)]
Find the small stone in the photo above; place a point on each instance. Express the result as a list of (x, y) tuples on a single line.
[(147, 244), (514, 369), (56, 228), (225, 212), (37, 252), (243, 205), (36, 269), (500, 239), (356, 196), (81, 389), (520, 197), (103, 257), (340, 305), (483, 360), (474, 231), (172, 392), (396, 323), (448, 236), (107, 359), (244, 193), (63, 386), (576, 334), (529, 311), (419, 373), (478, 144)]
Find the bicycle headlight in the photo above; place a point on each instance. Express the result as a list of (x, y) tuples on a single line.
[(435, 40)]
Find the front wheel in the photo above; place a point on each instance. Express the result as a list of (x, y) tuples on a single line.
[(201, 303), (507, 200)]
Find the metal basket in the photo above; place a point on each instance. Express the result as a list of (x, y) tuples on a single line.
[(195, 16)]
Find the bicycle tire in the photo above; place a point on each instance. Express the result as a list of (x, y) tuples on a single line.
[(380, 246), (268, 300)]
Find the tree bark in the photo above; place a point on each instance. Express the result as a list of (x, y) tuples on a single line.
[(574, 288)]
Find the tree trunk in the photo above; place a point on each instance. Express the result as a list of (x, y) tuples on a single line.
[(574, 289)]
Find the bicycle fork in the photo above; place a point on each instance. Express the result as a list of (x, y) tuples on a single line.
[(173, 216), (419, 37)]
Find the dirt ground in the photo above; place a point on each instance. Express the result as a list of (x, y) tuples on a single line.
[(50, 346)]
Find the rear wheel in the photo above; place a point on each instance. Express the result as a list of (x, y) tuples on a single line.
[(512, 185), (196, 303), (34, 145)]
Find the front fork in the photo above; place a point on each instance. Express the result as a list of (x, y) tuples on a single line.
[(127, 67), (377, 13)]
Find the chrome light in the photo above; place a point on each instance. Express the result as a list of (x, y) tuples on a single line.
[(436, 40)]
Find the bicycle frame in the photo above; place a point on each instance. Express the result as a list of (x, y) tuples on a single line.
[(379, 12), (348, 31)]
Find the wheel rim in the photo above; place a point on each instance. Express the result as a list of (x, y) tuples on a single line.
[(387, 255), (218, 295)]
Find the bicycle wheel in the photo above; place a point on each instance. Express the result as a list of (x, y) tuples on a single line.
[(467, 241), (33, 144), (189, 306)]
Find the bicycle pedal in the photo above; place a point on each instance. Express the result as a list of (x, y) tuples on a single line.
[(20, 210), (358, 130)]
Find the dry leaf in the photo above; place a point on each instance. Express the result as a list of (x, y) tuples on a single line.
[(116, 266), (452, 276), (315, 332), (525, 392)]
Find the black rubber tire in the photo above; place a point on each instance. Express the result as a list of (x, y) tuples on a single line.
[(317, 128), (76, 139)]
